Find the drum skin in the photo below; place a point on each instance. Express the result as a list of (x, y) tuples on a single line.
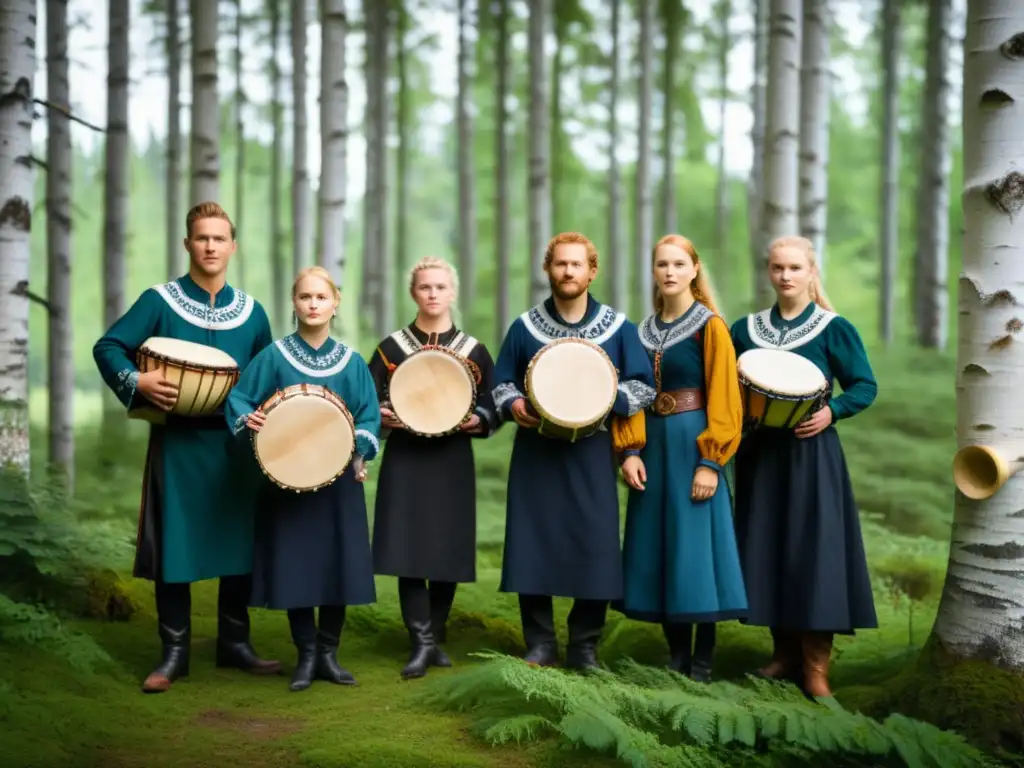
[(308, 439), (779, 387), (204, 375), (432, 392)]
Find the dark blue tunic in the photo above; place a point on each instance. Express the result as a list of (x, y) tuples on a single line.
[(562, 520)]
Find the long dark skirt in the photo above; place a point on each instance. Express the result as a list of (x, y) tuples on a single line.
[(799, 534), (313, 548)]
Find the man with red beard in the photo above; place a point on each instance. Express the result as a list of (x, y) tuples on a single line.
[(562, 517)]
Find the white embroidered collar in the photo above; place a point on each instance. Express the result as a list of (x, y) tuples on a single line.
[(764, 334), (545, 328), (657, 340), (298, 355), (232, 315)]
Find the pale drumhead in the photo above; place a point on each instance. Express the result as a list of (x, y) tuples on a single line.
[(305, 442), (188, 352), (777, 370), (431, 392), (573, 383)]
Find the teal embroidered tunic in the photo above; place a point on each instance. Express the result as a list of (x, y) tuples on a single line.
[(195, 500)]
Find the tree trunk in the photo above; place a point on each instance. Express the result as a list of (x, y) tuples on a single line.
[(60, 347), (172, 182), (755, 186), (239, 258), (722, 190), (539, 195), (333, 147), (385, 295), (815, 96), (277, 276), (616, 250), (504, 234), (557, 165), (467, 198), (982, 603), (17, 71), (673, 33), (782, 125), (302, 232), (371, 255), (402, 120), (205, 136), (931, 259), (642, 240), (115, 190), (890, 196)]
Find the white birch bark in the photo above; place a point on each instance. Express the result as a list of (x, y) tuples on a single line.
[(643, 213), (890, 192), (370, 267), (782, 125), (302, 222), (931, 260), (815, 97), (616, 247), (17, 69), (275, 233), (172, 211), (385, 296), (982, 603), (502, 212), (60, 349), (755, 186), (403, 117), (238, 260), (205, 111), (333, 149), (539, 194), (722, 187), (672, 20), (467, 198)]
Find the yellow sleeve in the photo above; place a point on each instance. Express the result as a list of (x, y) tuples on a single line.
[(629, 434), (724, 406)]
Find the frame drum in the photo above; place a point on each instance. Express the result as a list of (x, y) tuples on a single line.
[(432, 391), (308, 440), (780, 388), (204, 376), (571, 384)]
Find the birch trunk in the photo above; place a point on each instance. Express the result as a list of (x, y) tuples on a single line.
[(982, 603), (673, 33), (642, 241), (385, 295), (173, 218), (467, 198), (722, 190), (501, 190), (302, 222), (539, 200), (205, 136), (931, 260), (782, 124), (115, 189), (238, 260), (557, 164), (815, 97), (370, 265), (277, 277), (616, 250), (333, 148), (890, 193), (60, 347), (755, 186), (17, 69), (402, 120)]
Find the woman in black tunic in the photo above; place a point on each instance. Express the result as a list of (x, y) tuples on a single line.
[(425, 515)]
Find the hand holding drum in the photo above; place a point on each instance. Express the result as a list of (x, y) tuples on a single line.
[(521, 413), (157, 389)]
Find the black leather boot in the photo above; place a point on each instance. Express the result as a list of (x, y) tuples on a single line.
[(332, 621), (174, 608), (442, 595), (537, 615), (703, 653), (586, 620), (233, 647), (680, 646), (415, 603), (303, 627)]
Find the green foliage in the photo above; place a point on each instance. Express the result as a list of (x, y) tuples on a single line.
[(653, 717), (27, 624)]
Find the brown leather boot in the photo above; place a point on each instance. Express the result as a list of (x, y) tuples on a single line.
[(786, 657), (817, 647)]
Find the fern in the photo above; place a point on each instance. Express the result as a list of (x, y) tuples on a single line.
[(654, 718), (34, 626)]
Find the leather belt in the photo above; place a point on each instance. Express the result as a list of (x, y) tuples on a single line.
[(673, 401)]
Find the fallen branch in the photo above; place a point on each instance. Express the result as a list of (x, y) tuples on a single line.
[(67, 113)]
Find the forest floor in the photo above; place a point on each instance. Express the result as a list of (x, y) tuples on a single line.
[(55, 712)]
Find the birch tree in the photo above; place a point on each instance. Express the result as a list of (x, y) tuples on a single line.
[(722, 185), (616, 251), (467, 199), (403, 118), (890, 193), (302, 222), (275, 225), (642, 235), (238, 261), (502, 213), (205, 137), (755, 185), (982, 604), (672, 17), (172, 206), (61, 359), (815, 97), (17, 69), (539, 194), (384, 313)]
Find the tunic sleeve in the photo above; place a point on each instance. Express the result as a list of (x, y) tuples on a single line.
[(636, 375), (718, 443), (257, 382), (114, 353), (489, 419), (362, 402), (629, 435), (849, 361), (506, 372)]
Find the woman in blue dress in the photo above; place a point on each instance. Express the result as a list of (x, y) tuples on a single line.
[(312, 548), (680, 556)]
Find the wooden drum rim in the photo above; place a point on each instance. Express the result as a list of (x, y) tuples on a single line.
[(558, 342), (464, 363)]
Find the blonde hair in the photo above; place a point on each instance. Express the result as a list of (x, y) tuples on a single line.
[(700, 286), (207, 210), (324, 275), (816, 289), (433, 262)]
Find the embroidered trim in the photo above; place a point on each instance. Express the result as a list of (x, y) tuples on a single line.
[(543, 327), (638, 395), (504, 394), (240, 423), (657, 340), (370, 437), (331, 364), (765, 335), (195, 312), (128, 380)]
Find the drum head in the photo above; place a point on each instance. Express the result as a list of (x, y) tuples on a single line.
[(779, 371), (188, 352), (305, 442), (431, 392), (573, 383)]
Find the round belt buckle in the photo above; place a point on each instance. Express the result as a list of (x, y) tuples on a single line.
[(665, 404)]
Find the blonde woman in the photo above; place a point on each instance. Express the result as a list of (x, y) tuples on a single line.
[(312, 549), (425, 514), (681, 565), (796, 518)]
